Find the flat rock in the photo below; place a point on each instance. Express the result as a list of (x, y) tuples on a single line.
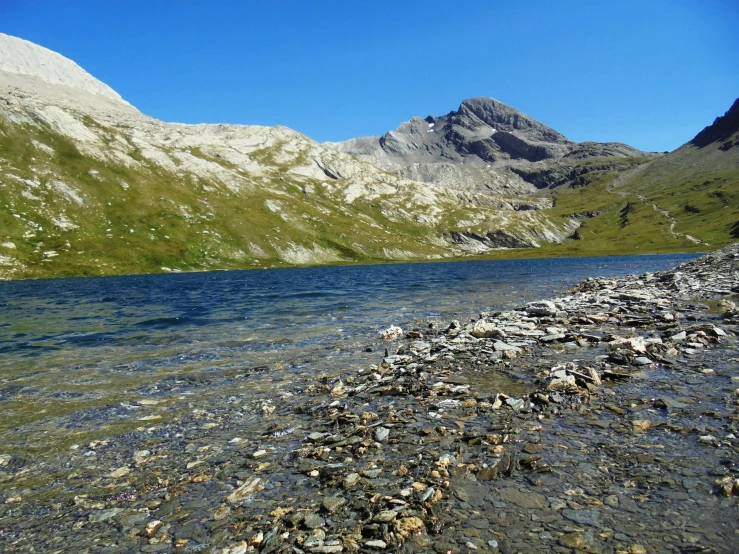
[(313, 521), (103, 515), (245, 491), (542, 308), (585, 517), (484, 329), (333, 503), (529, 500), (500, 346)]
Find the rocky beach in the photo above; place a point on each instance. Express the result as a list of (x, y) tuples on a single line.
[(603, 420)]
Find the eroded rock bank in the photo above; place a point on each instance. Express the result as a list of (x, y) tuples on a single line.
[(604, 420)]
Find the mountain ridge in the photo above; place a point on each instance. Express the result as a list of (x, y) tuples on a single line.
[(91, 186), (22, 57), (492, 146)]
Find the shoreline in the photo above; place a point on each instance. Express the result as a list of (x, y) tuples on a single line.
[(548, 254), (428, 448)]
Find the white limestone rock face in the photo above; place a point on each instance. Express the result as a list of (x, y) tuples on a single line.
[(26, 58)]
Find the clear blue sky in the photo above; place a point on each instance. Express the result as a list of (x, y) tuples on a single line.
[(648, 73)]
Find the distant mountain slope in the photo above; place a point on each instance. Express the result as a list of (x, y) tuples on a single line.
[(686, 199), (89, 185)]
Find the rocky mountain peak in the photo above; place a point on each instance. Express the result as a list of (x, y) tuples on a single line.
[(22, 57), (502, 117), (723, 129), (483, 147)]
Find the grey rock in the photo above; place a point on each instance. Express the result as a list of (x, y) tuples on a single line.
[(552, 338), (313, 541), (313, 521), (585, 517), (332, 504), (542, 308), (104, 515), (500, 346)]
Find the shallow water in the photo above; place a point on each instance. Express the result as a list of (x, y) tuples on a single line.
[(76, 355)]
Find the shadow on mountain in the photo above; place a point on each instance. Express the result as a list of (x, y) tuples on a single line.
[(734, 232), (721, 129)]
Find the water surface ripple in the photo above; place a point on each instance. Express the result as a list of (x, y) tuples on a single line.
[(72, 349)]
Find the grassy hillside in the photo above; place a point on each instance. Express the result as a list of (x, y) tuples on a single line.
[(687, 200), (67, 212), (101, 197)]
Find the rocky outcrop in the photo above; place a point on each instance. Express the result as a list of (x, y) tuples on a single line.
[(571, 174), (490, 240)]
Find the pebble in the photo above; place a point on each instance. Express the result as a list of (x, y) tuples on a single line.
[(333, 504), (120, 472), (351, 480), (381, 434)]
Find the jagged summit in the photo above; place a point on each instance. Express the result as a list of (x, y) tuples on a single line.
[(505, 118), (483, 146), (22, 57), (723, 129)]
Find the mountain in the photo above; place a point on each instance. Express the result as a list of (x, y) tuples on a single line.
[(483, 146), (90, 186)]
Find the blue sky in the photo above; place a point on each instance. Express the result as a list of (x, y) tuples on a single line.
[(648, 73)]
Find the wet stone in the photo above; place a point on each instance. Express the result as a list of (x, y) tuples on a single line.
[(351, 480), (313, 521), (382, 434), (523, 499), (332, 504), (572, 540), (585, 517), (104, 515)]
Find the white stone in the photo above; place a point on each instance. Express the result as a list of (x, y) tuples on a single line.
[(391, 333)]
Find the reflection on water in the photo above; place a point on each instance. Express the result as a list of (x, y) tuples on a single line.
[(79, 349)]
